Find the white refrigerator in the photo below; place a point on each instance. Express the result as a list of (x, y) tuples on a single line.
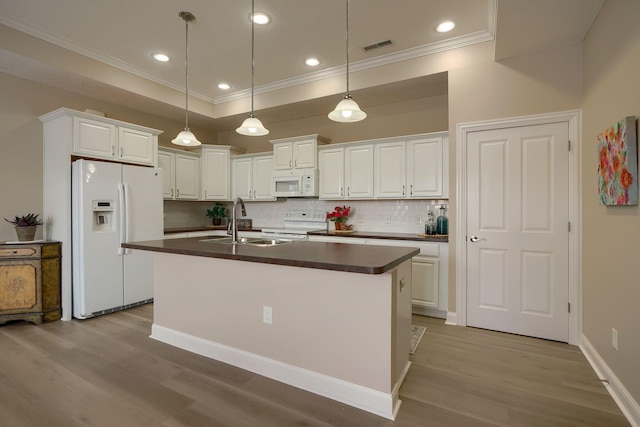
[(113, 203)]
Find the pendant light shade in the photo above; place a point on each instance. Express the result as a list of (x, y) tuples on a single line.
[(252, 126), (186, 138), (347, 110)]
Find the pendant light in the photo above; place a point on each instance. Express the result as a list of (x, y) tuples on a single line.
[(252, 126), (186, 138), (347, 110)]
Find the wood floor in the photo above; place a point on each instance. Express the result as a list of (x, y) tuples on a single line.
[(107, 372)]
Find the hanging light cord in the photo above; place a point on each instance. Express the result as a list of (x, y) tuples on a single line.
[(347, 14), (187, 18), (253, 38)]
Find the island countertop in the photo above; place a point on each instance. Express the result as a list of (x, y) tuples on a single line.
[(366, 259)]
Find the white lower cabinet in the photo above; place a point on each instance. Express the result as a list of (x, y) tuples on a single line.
[(429, 277), (425, 279)]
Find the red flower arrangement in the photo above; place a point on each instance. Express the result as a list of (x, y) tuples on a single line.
[(339, 214)]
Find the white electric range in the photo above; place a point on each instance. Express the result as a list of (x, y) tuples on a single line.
[(297, 223)]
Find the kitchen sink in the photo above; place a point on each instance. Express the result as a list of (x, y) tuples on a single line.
[(257, 241)]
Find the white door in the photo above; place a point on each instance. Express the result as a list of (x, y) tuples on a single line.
[(390, 170), (517, 230)]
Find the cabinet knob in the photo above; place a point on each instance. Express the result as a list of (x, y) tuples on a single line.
[(177, 192), (403, 190), (411, 189)]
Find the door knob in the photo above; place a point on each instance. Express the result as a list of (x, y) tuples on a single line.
[(474, 239)]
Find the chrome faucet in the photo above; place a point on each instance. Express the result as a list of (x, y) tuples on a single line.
[(234, 223)]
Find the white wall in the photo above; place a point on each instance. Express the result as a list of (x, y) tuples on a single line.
[(610, 234)]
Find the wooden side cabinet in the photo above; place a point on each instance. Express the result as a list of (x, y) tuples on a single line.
[(30, 282)]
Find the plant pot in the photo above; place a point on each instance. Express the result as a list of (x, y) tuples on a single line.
[(217, 221), (26, 234), (341, 226)]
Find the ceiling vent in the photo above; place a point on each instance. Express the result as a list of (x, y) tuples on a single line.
[(377, 45)]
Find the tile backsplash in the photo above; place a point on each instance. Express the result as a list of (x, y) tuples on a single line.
[(395, 216)]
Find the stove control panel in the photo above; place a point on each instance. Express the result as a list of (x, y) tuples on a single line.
[(305, 216)]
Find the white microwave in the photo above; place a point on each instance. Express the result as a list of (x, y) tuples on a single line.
[(299, 183)]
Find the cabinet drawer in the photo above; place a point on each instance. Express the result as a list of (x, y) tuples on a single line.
[(20, 252)]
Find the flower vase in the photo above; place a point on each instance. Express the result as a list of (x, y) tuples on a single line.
[(341, 226)]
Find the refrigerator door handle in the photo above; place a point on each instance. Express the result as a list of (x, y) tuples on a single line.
[(123, 220), (127, 215)]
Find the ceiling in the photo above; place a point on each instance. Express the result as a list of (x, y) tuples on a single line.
[(101, 47)]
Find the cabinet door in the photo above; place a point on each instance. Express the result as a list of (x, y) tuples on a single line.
[(331, 173), (94, 138), (135, 146), (262, 181), (166, 162), (215, 174), (424, 281), (187, 177), (283, 156), (424, 160), (241, 181), (304, 154), (358, 171), (390, 170)]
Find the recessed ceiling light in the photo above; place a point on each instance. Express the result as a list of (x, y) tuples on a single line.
[(224, 86), (312, 62), (160, 57), (445, 27), (260, 18)]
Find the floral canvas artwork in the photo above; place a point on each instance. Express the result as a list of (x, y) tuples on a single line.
[(618, 164)]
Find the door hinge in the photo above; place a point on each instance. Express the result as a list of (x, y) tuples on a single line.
[(569, 307), (569, 226), (569, 145)]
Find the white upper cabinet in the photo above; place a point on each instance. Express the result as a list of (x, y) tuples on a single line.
[(390, 170), (346, 172), (166, 162), (358, 171), (414, 166), (215, 163), (251, 177), (331, 173), (102, 139), (427, 167), (135, 146), (94, 138), (181, 174), (296, 153)]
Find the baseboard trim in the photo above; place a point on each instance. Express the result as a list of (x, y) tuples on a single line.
[(616, 389), (427, 311), (452, 318), (383, 404)]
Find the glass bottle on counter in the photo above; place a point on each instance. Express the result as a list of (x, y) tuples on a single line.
[(430, 225), (442, 222)]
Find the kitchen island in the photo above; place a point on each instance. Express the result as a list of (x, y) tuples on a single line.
[(332, 319)]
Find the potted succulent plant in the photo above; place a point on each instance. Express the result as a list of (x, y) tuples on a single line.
[(218, 213), (26, 226)]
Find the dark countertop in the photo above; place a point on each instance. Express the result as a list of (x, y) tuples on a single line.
[(327, 256), (379, 235)]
